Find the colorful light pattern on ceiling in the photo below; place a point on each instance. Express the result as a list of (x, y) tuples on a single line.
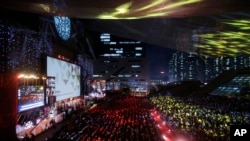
[(232, 40), (156, 8)]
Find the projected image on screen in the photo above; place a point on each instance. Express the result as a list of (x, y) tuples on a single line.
[(66, 78)]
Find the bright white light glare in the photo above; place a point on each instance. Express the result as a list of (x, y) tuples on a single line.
[(30, 106), (164, 137), (20, 75), (28, 76)]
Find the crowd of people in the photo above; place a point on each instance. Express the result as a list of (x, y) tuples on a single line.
[(203, 118), (123, 118)]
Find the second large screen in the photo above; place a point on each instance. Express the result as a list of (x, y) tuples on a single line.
[(66, 83)]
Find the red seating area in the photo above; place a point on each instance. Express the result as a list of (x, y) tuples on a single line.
[(124, 118)]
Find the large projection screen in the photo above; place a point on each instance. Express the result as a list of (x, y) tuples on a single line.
[(67, 78)]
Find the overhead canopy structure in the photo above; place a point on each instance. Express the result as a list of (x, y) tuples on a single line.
[(204, 27)]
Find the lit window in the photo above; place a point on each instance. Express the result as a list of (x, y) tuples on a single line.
[(138, 54), (105, 40), (127, 75), (135, 66), (112, 43), (138, 48), (97, 75), (119, 51)]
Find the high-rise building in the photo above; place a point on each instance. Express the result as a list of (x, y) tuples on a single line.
[(182, 67), (122, 63), (192, 63)]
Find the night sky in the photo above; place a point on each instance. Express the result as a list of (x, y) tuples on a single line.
[(158, 58)]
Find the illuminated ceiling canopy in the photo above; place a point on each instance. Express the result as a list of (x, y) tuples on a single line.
[(203, 27)]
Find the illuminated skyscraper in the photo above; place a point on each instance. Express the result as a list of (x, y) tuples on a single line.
[(192, 64), (122, 63), (183, 67)]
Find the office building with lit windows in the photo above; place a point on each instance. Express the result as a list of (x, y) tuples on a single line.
[(183, 66), (122, 63)]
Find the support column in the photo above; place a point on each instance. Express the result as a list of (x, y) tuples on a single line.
[(8, 107)]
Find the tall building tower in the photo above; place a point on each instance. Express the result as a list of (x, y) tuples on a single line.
[(173, 68), (247, 61), (183, 66), (192, 63), (122, 64), (182, 71)]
